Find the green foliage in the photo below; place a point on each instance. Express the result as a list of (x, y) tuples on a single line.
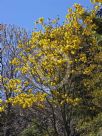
[(98, 22), (33, 130), (92, 127)]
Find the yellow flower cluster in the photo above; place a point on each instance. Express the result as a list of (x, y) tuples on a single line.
[(24, 69), (15, 61), (1, 109), (96, 1), (89, 69), (27, 100), (83, 58), (13, 83), (2, 106), (61, 98)]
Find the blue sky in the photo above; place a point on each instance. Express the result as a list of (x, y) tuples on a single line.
[(23, 13)]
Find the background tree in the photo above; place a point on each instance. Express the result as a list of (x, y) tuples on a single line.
[(9, 39)]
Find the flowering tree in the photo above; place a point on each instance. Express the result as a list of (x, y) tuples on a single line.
[(58, 70)]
